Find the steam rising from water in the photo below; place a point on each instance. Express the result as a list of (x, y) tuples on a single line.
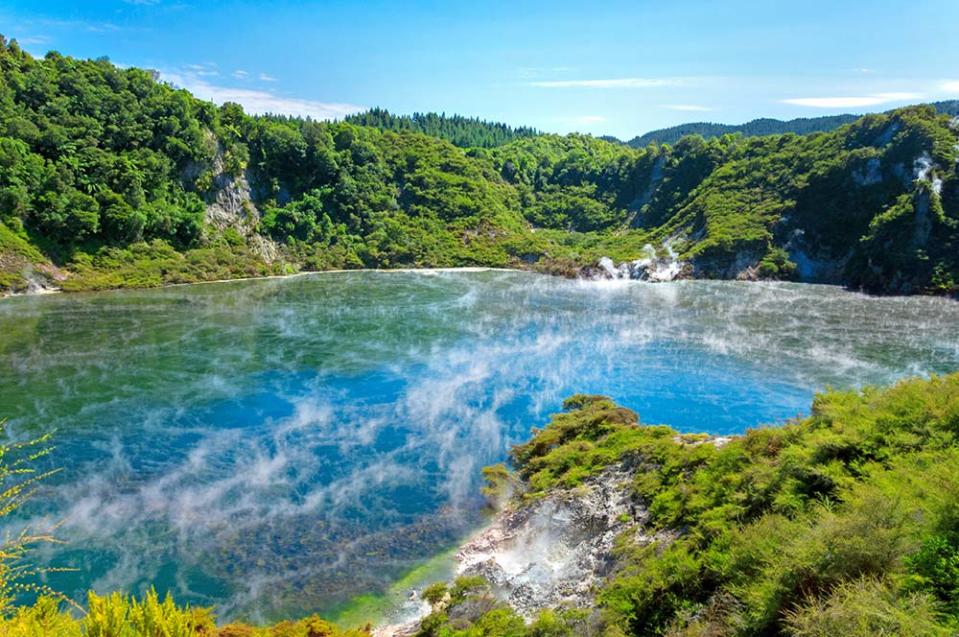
[(277, 446)]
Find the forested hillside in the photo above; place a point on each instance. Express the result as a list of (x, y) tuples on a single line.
[(466, 132), (752, 128), (762, 126), (111, 178)]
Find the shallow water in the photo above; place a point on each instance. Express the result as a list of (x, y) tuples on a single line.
[(279, 446)]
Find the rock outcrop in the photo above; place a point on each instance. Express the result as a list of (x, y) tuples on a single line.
[(554, 551), (230, 203)]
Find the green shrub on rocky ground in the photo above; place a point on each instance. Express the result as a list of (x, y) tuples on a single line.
[(842, 523)]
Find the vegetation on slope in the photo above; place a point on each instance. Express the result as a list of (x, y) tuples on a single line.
[(762, 126), (466, 132), (752, 128), (114, 178), (842, 523)]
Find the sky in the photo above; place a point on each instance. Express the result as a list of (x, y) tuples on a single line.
[(616, 68)]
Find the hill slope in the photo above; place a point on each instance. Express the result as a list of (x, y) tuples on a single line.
[(762, 126), (113, 179), (466, 132), (752, 128)]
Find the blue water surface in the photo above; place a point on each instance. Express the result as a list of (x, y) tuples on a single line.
[(279, 446)]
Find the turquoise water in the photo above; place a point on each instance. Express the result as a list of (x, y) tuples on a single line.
[(279, 446)]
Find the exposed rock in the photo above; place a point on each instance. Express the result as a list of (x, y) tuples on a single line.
[(38, 278), (743, 266), (922, 225), (811, 267), (887, 134), (655, 177), (230, 204), (555, 550), (869, 174)]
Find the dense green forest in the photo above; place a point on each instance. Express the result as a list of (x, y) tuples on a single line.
[(842, 523), (762, 126), (466, 132), (111, 178), (752, 128)]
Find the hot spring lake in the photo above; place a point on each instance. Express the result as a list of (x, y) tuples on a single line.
[(276, 447)]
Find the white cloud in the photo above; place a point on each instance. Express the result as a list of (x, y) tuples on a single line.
[(852, 101), (259, 101), (590, 119), (31, 40), (142, 2), (206, 69), (687, 107), (529, 72), (79, 25), (266, 78), (950, 86), (624, 82), (240, 74)]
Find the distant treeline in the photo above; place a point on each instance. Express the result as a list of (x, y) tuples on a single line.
[(465, 132), (759, 127)]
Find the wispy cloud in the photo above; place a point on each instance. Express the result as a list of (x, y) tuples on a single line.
[(259, 101), (529, 72), (852, 101), (240, 74), (78, 25), (32, 40), (623, 82), (263, 77), (589, 119), (205, 69), (950, 86), (687, 107), (142, 2)]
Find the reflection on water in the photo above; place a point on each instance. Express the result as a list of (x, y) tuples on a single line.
[(278, 446)]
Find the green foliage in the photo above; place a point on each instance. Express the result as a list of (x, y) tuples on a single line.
[(935, 567), (866, 608), (843, 523), (94, 152), (753, 128), (435, 593), (466, 132), (119, 616), (94, 157), (145, 265), (19, 478), (760, 127)]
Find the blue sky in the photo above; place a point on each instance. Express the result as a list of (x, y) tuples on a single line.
[(619, 68)]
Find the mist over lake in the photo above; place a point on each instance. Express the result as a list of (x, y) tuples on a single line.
[(280, 446)]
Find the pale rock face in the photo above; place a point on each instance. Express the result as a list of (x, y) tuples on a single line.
[(556, 550), (232, 207), (870, 173)]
